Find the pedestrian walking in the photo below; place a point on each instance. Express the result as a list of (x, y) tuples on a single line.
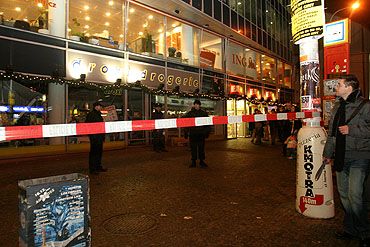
[(96, 141), (158, 135), (197, 135), (258, 130), (348, 146), (291, 143)]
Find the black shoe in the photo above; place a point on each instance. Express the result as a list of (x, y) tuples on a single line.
[(364, 242), (93, 172), (203, 164), (193, 164), (344, 235), (101, 169)]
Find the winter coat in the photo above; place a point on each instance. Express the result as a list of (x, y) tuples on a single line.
[(93, 117), (197, 131), (358, 138)]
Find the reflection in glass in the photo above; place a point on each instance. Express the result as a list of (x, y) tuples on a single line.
[(23, 14), (96, 22), (145, 32), (182, 42), (268, 68), (210, 51)]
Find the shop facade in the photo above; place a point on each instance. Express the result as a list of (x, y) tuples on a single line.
[(61, 56)]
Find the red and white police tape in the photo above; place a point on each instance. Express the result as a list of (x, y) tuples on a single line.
[(58, 130)]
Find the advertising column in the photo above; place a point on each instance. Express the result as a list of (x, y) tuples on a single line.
[(314, 196)]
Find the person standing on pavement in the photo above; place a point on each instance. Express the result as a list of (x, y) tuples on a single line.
[(273, 128), (158, 135), (96, 141), (348, 146), (197, 135)]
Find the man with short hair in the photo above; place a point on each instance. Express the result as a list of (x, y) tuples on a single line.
[(96, 141), (197, 135), (348, 145)]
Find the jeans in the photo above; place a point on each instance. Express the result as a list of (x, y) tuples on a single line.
[(351, 183)]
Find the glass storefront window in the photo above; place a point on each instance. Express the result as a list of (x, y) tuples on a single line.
[(242, 61), (258, 66), (280, 72), (230, 111), (23, 106), (97, 22), (287, 75), (182, 42), (24, 14), (80, 102), (210, 51), (213, 85), (145, 32), (268, 69)]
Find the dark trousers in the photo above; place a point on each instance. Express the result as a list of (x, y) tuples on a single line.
[(197, 148), (95, 155), (158, 140)]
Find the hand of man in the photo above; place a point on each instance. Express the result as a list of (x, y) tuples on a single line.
[(344, 130), (326, 160)]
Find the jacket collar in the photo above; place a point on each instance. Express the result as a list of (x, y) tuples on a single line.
[(352, 97)]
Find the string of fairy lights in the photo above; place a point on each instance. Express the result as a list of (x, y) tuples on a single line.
[(118, 87)]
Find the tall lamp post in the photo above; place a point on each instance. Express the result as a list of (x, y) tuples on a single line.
[(354, 6)]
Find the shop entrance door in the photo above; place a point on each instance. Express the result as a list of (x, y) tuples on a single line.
[(240, 110), (136, 111), (231, 111)]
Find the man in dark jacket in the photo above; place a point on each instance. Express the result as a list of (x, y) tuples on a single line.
[(348, 144), (197, 135), (96, 141), (158, 135)]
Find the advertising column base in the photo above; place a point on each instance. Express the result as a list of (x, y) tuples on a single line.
[(315, 197)]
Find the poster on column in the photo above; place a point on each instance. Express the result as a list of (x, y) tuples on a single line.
[(308, 19)]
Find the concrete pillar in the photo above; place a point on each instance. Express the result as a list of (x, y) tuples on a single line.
[(57, 22), (57, 108), (57, 18), (187, 43)]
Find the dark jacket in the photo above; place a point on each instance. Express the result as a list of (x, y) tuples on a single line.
[(358, 138), (157, 115), (198, 131), (93, 117)]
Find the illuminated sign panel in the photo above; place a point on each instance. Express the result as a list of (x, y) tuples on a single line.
[(336, 33), (308, 19), (4, 108), (102, 69), (28, 109)]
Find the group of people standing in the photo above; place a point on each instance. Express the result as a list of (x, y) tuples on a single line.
[(285, 131), (347, 148)]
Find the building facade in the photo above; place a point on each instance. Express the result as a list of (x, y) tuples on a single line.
[(60, 56)]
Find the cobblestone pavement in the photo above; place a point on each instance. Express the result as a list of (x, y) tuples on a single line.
[(245, 198)]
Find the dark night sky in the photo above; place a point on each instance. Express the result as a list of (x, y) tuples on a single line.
[(361, 15)]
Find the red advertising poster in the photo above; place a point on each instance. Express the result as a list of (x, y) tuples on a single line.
[(236, 89), (336, 60)]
